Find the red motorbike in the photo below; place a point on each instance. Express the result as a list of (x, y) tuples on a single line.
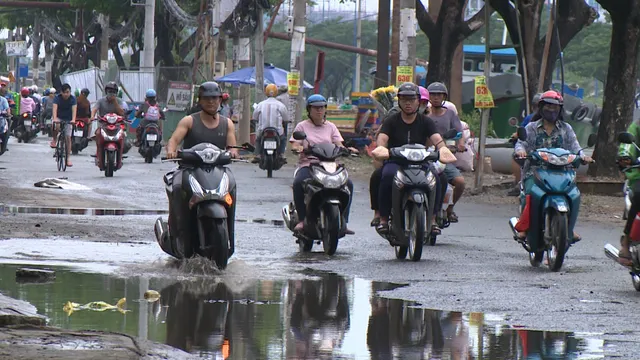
[(110, 139)]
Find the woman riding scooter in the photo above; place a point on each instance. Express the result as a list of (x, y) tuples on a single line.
[(627, 154), (318, 131)]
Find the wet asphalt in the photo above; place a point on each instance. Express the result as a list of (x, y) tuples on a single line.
[(476, 265)]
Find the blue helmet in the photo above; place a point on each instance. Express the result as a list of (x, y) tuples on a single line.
[(151, 93), (316, 100)]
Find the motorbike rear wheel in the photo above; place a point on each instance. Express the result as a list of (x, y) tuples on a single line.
[(558, 232), (417, 229), (269, 166), (331, 232)]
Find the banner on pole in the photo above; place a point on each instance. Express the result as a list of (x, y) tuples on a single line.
[(482, 95), (404, 74), (293, 82)]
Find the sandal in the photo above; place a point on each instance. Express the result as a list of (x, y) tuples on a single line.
[(435, 230), (453, 218), (382, 229), (576, 238), (375, 222)]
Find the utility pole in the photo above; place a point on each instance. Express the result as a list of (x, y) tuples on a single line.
[(104, 41), (484, 123), (382, 58), (245, 94), (258, 41), (297, 52), (149, 34), (356, 88), (408, 34), (395, 39)]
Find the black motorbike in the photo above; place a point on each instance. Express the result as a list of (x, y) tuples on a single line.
[(26, 127), (79, 139), (202, 195), (412, 198), (150, 140), (4, 133), (270, 158), (326, 197)]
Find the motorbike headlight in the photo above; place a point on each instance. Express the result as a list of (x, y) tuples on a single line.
[(415, 154), (330, 181), (557, 160), (208, 155), (111, 119)]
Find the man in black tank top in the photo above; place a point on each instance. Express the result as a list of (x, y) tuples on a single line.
[(205, 126)]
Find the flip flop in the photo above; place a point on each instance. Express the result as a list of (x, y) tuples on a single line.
[(375, 222), (435, 230), (382, 229), (453, 218)]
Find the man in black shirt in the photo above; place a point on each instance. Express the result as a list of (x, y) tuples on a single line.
[(406, 127)]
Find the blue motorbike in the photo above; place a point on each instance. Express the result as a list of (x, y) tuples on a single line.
[(555, 201)]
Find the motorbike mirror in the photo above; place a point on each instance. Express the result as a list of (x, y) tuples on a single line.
[(165, 109), (249, 147), (625, 138), (591, 141), (450, 134), (299, 135), (513, 122), (522, 133)]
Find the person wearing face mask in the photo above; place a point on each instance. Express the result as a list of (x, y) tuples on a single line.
[(318, 131), (546, 130)]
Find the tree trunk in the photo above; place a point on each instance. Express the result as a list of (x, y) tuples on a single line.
[(620, 92), (119, 58)]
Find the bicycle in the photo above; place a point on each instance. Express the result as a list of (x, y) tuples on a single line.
[(61, 148)]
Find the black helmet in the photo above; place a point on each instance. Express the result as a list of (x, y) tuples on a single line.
[(437, 88), (85, 91), (408, 89), (111, 85), (209, 88)]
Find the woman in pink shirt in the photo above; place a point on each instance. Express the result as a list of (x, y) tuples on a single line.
[(27, 104), (318, 131)]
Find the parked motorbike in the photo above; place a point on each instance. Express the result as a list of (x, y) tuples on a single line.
[(79, 139), (202, 222), (270, 158), (555, 200), (26, 128), (111, 135), (413, 198), (4, 133), (611, 251), (326, 198), (151, 140)]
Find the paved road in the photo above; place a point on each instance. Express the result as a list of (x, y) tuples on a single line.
[(476, 265)]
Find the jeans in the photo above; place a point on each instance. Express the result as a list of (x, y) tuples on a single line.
[(388, 172), (281, 148), (298, 193), (374, 188)]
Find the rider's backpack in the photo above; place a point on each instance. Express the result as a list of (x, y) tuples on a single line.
[(153, 113)]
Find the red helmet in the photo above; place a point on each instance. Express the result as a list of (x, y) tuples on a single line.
[(24, 91), (225, 96), (551, 97)]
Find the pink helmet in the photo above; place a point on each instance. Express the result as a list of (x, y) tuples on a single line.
[(424, 94)]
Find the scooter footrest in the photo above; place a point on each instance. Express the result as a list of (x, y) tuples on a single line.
[(93, 155)]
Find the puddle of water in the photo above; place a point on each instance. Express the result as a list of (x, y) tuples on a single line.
[(325, 316), (12, 209)]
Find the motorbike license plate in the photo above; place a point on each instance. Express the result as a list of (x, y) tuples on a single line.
[(78, 133), (152, 137), (270, 145), (48, 122), (27, 123)]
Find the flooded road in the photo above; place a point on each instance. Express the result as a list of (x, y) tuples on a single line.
[(317, 316)]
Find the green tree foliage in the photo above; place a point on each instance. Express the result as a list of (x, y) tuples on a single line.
[(588, 53)]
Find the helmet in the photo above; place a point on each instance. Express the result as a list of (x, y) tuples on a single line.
[(24, 91), (46, 92), (34, 87), (52, 90), (209, 88), (424, 94), (437, 88), (150, 93), (550, 97), (225, 96), (536, 98), (271, 90), (408, 89), (316, 100), (85, 91), (77, 93), (111, 85), (283, 89)]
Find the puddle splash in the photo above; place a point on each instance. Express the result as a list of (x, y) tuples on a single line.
[(12, 209), (325, 316)]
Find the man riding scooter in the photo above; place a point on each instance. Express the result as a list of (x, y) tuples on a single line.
[(546, 130), (109, 104), (270, 113)]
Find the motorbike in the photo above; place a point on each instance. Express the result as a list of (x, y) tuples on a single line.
[(4, 133), (412, 198), (326, 198), (26, 128), (270, 158), (112, 132), (611, 251), (79, 139), (203, 219), (555, 200), (150, 141)]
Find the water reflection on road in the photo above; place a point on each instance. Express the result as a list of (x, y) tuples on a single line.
[(321, 317)]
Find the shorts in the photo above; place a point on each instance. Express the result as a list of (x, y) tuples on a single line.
[(451, 172), (68, 129)]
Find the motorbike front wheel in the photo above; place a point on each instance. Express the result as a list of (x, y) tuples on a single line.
[(331, 231), (558, 233), (417, 229), (111, 164), (217, 239)]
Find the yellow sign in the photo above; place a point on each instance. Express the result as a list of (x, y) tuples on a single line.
[(404, 74), (482, 95), (293, 83), (12, 78)]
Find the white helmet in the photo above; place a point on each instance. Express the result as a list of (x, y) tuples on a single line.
[(34, 87), (52, 90)]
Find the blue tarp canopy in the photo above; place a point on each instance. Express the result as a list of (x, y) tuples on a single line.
[(247, 76)]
